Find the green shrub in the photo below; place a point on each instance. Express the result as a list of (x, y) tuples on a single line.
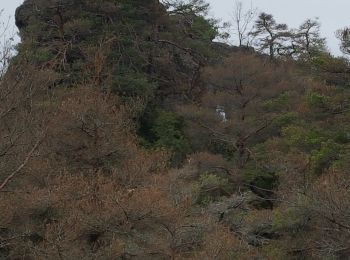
[(323, 158), (290, 219), (278, 103), (316, 100), (211, 187), (168, 130), (303, 137), (163, 129), (78, 28), (128, 83), (223, 148), (285, 119), (342, 137), (41, 56), (260, 177)]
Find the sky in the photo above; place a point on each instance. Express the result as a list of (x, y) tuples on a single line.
[(333, 14)]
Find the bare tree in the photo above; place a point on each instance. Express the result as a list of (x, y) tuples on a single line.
[(6, 45), (21, 120), (239, 85), (242, 22), (344, 36)]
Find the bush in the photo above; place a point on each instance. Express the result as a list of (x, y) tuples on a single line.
[(42, 55), (303, 138), (223, 148), (332, 70), (163, 129), (316, 100), (79, 28), (322, 159), (279, 103), (342, 137), (261, 178), (285, 119), (128, 83), (291, 219), (211, 187)]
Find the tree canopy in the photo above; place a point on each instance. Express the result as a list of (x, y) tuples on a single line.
[(127, 131)]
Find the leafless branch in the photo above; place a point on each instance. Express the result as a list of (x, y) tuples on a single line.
[(23, 164)]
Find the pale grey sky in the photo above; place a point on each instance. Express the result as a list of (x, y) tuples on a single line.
[(9, 7), (332, 14)]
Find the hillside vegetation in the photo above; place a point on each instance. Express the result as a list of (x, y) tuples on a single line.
[(127, 131)]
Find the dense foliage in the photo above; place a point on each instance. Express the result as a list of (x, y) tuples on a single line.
[(126, 132)]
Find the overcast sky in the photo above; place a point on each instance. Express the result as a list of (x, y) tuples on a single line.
[(332, 14)]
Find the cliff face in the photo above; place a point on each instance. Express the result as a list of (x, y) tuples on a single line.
[(59, 14), (133, 48)]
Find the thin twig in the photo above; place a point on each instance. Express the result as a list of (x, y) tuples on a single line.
[(24, 163)]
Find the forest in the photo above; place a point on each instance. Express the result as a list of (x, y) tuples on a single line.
[(131, 129)]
